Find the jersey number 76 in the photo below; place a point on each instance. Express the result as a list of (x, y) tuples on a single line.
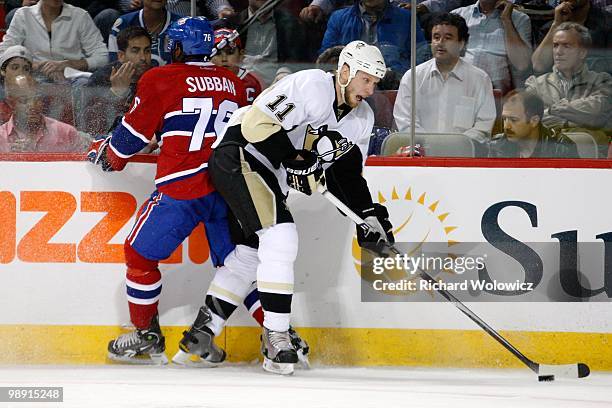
[(210, 122)]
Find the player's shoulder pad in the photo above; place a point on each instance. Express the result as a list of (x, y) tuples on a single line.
[(156, 74), (316, 85), (318, 78), (156, 80)]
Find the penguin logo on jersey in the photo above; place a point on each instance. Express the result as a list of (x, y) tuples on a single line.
[(330, 145)]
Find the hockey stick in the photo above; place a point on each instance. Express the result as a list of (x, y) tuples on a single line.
[(546, 372), (264, 9)]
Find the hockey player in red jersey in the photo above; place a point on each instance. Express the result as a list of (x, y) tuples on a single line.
[(184, 106), (231, 56)]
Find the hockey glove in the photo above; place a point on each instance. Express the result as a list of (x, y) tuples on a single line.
[(380, 231), (97, 152), (304, 175)]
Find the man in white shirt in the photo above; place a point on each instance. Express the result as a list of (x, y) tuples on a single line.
[(453, 96), (59, 36)]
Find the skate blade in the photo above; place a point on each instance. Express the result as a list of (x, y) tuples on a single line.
[(150, 359), (277, 368), (303, 360), (190, 360)]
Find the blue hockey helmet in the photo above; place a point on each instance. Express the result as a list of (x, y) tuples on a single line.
[(195, 34)]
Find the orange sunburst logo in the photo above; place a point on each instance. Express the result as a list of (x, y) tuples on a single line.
[(417, 219)]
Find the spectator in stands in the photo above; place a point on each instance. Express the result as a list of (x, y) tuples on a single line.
[(524, 135), (211, 9), (595, 19), (318, 10), (231, 57), (18, 60), (155, 18), (59, 36), (110, 90), (452, 95), (103, 12), (380, 23), (28, 130), (434, 6), (500, 41), (573, 95), (92, 7), (218, 8), (15, 61), (274, 39)]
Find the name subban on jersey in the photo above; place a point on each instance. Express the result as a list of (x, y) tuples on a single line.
[(210, 83)]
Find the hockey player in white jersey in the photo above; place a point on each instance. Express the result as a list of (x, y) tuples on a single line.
[(309, 127)]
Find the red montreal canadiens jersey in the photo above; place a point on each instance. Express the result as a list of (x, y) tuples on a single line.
[(251, 83), (185, 106)]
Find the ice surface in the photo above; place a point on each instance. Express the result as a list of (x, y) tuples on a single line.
[(247, 386)]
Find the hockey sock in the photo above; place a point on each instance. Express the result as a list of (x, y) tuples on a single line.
[(143, 283), (143, 290), (278, 247), (253, 305), (276, 321)]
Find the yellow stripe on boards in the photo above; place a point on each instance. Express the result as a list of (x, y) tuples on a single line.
[(436, 348), (329, 346), (33, 344)]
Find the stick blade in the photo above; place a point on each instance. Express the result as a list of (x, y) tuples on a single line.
[(583, 370), (579, 370)]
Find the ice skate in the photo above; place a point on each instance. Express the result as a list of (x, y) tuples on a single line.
[(279, 354), (301, 347), (141, 346), (197, 348)]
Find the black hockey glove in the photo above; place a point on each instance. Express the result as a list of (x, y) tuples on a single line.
[(381, 230), (304, 175)]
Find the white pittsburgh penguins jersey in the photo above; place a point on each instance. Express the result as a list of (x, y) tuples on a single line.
[(303, 104)]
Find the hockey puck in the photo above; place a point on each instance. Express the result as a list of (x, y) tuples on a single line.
[(542, 378)]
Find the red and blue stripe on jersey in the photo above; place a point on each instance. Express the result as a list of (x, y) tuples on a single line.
[(184, 106)]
